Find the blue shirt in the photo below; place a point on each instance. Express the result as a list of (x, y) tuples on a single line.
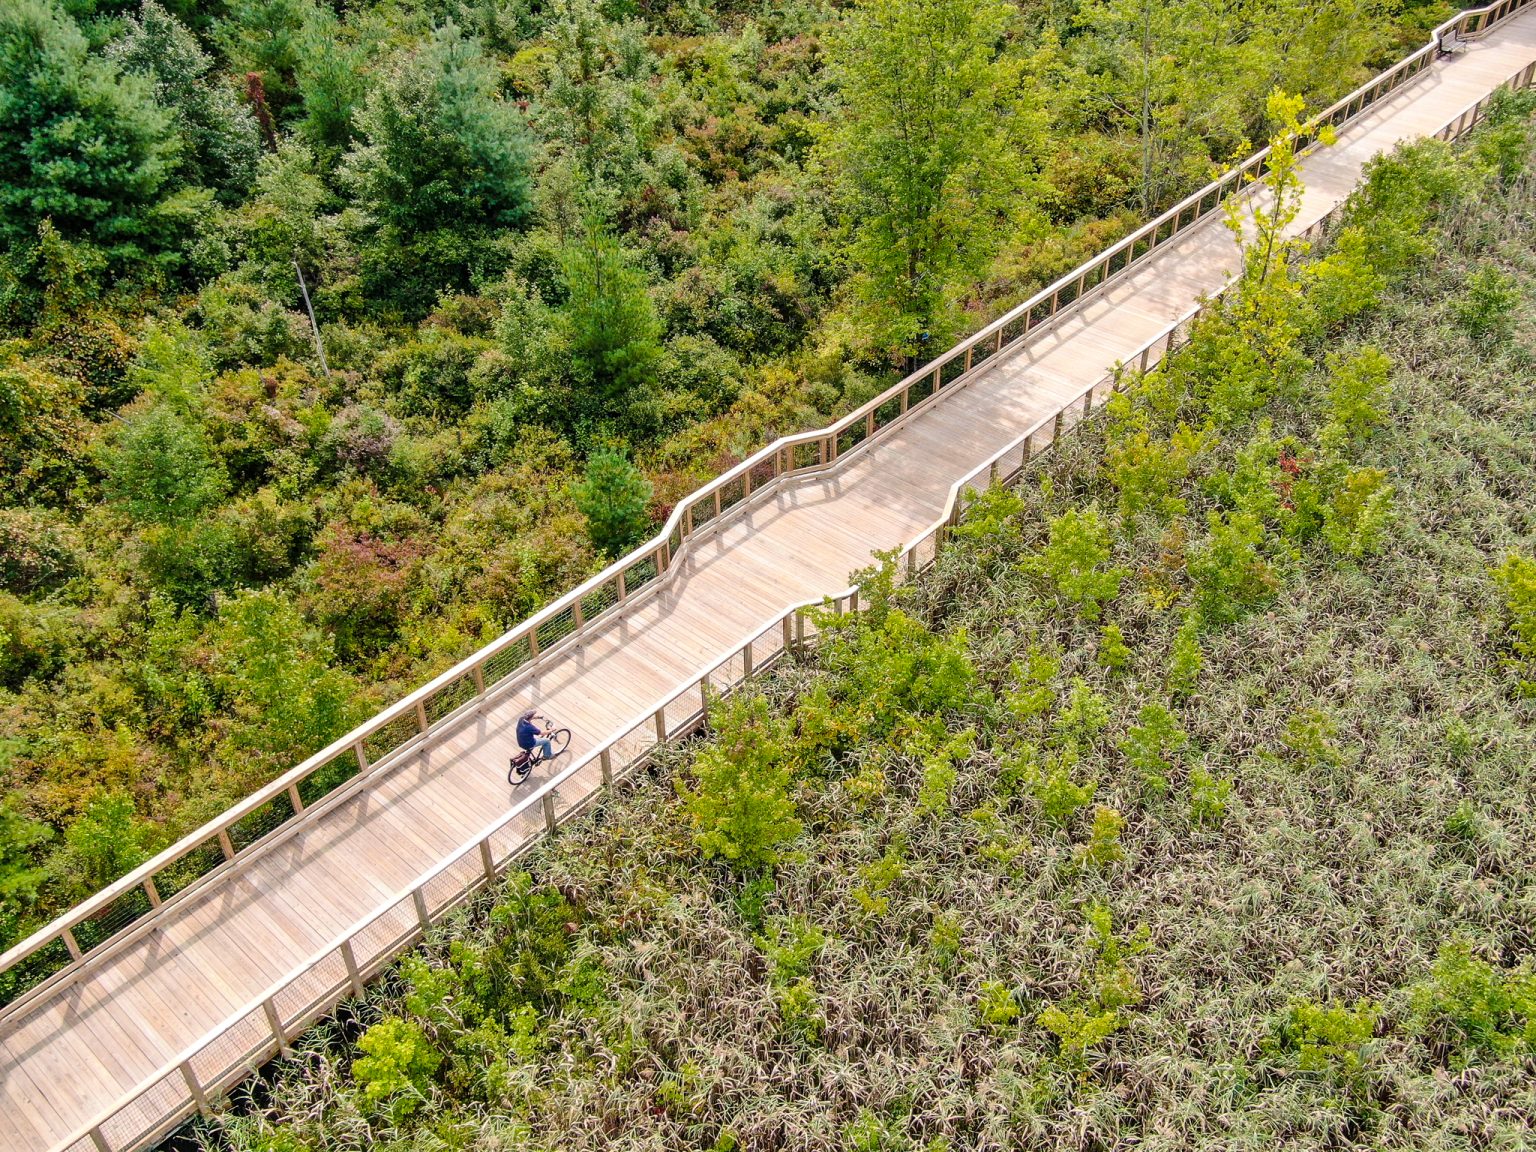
[(526, 731)]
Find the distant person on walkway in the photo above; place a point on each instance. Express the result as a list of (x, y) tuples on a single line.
[(530, 735)]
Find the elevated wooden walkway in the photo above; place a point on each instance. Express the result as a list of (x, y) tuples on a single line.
[(177, 981)]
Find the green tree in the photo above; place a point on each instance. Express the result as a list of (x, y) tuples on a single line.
[(273, 672), (926, 152), (80, 144), (219, 137), (610, 328), (266, 37), (332, 84), (444, 164), (107, 841), (20, 873), (740, 804), (613, 495), (161, 469)]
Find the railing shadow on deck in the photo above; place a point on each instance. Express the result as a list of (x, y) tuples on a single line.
[(124, 909)]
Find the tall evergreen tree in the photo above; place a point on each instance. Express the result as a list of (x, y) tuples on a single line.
[(445, 162), (610, 327), (219, 135), (80, 144)]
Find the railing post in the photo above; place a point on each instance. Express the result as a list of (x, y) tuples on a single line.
[(100, 1141), (151, 891), (717, 503), (362, 757), (799, 630), (869, 424), (276, 1024), (747, 665), (911, 563), (992, 473), (295, 799), (623, 587), (704, 699), (71, 943), (194, 1087), (487, 861), (661, 724), (478, 672), (577, 617), (1061, 417), (788, 628), (422, 917), (605, 762), (225, 844), (533, 633), (549, 813), (664, 556), (354, 977)]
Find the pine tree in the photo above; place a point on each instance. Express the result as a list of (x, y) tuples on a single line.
[(219, 135), (613, 496), (80, 144)]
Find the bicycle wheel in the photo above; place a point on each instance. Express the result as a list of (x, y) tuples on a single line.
[(559, 741)]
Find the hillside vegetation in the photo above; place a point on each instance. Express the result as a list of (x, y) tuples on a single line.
[(1184, 803), (567, 260)]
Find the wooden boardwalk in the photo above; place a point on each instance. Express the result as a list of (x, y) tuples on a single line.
[(69, 1055)]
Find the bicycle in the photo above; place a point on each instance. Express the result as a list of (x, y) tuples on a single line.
[(522, 765)]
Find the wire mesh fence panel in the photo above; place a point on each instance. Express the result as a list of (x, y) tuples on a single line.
[(391, 736), (379, 937), (19, 979), (888, 412), (237, 1046), (599, 600), (328, 777), (181, 873), (675, 539), (952, 370), (144, 1115), (84, 1144), (849, 438), (639, 574), (763, 472), (557, 628), (509, 661), (107, 922), (920, 390), (733, 493), (268, 818), (805, 455), (450, 697), (319, 986)]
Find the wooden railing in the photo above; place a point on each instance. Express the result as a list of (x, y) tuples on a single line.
[(115, 916), (268, 1023)]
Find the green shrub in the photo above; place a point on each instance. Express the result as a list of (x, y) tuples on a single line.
[(1231, 577), (1060, 798), (1185, 660), (1207, 798), (397, 1064), (945, 938), (20, 873), (1516, 581), (1148, 747), (876, 880), (740, 803), (613, 495), (1358, 388), (1311, 735), (1103, 846), (1077, 726), (1326, 1038), (1114, 654), (1488, 305), (1355, 521), (996, 1004), (800, 1012), (1469, 1009), (1075, 561), (108, 840)]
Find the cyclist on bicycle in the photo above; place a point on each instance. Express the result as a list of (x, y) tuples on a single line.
[(531, 736)]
